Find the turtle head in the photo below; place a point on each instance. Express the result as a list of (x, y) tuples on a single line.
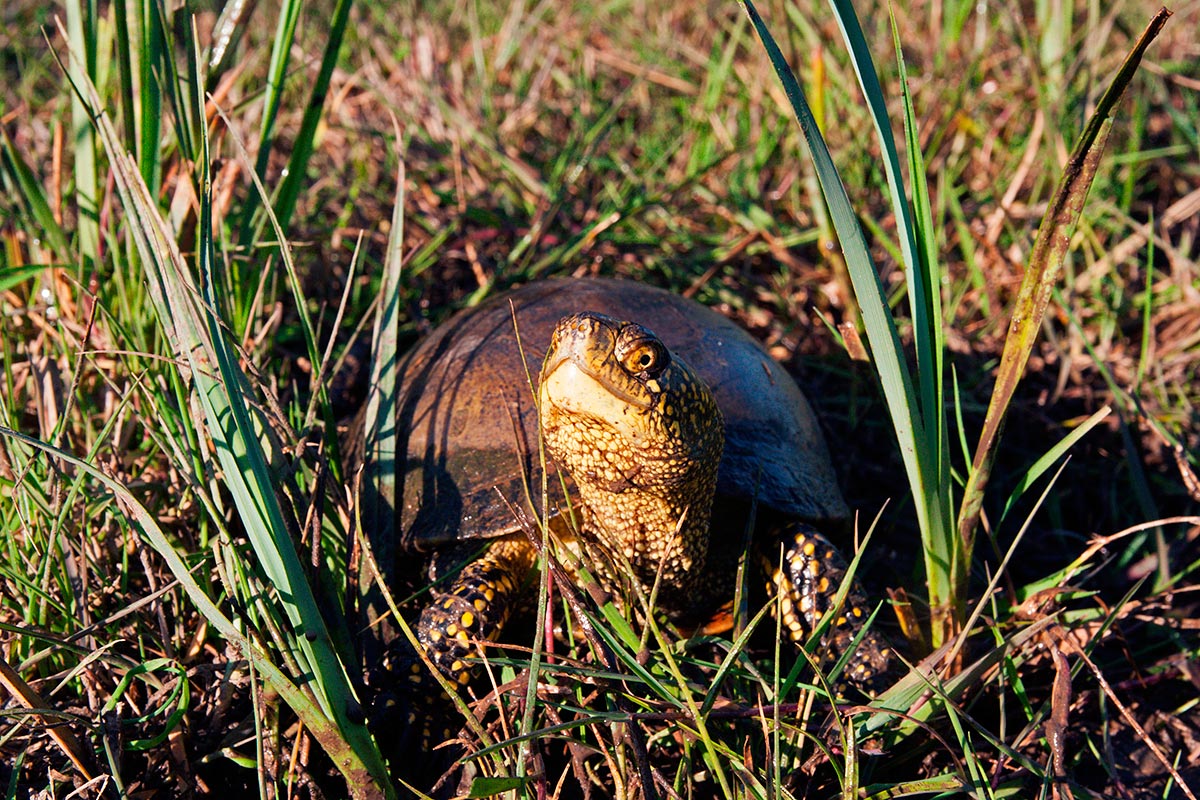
[(639, 432), (618, 409)]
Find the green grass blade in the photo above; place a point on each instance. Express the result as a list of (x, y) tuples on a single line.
[(916, 244), (916, 262), (248, 467), (140, 34), (881, 328), (886, 352), (296, 175), (180, 92), (302, 147), (150, 106), (381, 440), (124, 38), (15, 276), (289, 265), (736, 648), (1045, 262), (942, 785), (285, 37), (25, 185), (81, 35), (947, 562), (1052, 455)]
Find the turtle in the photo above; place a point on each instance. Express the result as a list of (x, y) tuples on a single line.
[(667, 428)]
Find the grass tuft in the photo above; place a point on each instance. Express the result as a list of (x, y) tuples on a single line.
[(203, 210)]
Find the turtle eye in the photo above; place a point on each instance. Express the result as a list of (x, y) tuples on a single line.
[(647, 358)]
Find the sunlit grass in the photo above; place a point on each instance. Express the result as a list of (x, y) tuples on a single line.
[(165, 574)]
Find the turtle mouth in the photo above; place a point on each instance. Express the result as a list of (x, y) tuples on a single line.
[(583, 371), (569, 382)]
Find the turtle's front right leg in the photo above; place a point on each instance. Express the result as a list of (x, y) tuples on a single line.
[(473, 607), (807, 578)]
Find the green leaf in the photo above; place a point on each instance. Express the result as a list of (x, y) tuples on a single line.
[(918, 435), (488, 787), (1052, 455), (81, 68), (15, 276)]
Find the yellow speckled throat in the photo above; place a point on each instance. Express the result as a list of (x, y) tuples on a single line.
[(642, 436)]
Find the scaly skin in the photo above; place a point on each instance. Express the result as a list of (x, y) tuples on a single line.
[(642, 436), (807, 578)]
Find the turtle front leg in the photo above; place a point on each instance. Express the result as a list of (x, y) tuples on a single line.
[(812, 573), (472, 607)]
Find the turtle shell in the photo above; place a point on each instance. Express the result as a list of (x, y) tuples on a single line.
[(468, 422)]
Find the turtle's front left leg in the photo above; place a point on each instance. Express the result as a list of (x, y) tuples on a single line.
[(472, 607), (808, 579)]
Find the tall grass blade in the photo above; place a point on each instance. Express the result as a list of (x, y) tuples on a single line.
[(1045, 261), (124, 38), (302, 147), (296, 174), (281, 50), (15, 276), (285, 255), (139, 37), (905, 406), (81, 36), (947, 562), (245, 449), (285, 36), (881, 327), (150, 105), (1053, 454), (380, 464)]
